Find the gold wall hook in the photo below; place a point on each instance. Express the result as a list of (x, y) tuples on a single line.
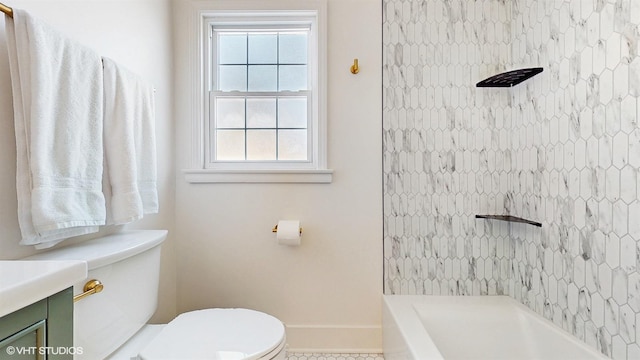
[(354, 68)]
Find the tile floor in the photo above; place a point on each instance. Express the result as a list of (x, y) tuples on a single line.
[(317, 356)]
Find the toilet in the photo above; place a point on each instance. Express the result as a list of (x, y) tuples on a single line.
[(112, 324)]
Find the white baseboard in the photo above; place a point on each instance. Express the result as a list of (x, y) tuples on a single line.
[(334, 339)]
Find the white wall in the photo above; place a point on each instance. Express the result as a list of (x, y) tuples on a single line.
[(136, 34), (328, 290)]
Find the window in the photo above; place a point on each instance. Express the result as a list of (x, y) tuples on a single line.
[(261, 98), (263, 102)]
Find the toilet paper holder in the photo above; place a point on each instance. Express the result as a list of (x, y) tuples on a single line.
[(275, 229)]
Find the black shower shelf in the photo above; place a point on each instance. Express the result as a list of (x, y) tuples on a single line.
[(510, 219), (510, 78)]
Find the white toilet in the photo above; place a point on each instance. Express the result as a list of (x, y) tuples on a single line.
[(112, 323)]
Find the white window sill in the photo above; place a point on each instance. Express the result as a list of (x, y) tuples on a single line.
[(201, 176)]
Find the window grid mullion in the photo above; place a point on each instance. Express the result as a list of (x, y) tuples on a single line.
[(246, 137), (301, 93), (272, 64), (277, 130), (262, 128), (247, 62), (278, 88)]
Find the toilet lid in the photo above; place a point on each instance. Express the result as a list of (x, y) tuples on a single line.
[(217, 334)]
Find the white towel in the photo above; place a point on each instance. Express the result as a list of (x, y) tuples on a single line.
[(57, 94), (130, 146)]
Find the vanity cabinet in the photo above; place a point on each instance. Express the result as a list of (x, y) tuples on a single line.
[(42, 330)]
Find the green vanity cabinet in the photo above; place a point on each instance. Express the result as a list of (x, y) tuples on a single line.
[(43, 330)]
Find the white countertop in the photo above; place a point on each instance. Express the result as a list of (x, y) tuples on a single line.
[(24, 282)]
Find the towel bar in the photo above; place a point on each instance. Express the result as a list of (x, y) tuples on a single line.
[(7, 10)]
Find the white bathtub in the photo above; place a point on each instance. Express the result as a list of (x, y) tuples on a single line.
[(473, 327)]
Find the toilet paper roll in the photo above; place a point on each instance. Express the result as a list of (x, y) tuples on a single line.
[(289, 232)]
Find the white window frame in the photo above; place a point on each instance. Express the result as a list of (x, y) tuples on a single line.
[(267, 13)]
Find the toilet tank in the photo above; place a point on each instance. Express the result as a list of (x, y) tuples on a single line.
[(128, 265)]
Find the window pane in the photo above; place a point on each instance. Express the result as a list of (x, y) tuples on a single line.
[(292, 144), (261, 145), (263, 78), (230, 112), (261, 113), (293, 48), (230, 145), (292, 112), (232, 49), (260, 108), (233, 78), (293, 77), (263, 49)]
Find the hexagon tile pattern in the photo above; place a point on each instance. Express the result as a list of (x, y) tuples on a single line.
[(446, 147), (562, 148)]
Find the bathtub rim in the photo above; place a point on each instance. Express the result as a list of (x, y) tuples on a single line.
[(416, 339), (419, 344)]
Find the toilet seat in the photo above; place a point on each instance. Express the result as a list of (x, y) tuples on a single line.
[(218, 334)]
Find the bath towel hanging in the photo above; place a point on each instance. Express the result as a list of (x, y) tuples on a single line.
[(57, 93), (130, 148)]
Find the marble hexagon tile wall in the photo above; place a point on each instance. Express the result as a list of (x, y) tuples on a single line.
[(577, 151), (446, 147), (562, 149)]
